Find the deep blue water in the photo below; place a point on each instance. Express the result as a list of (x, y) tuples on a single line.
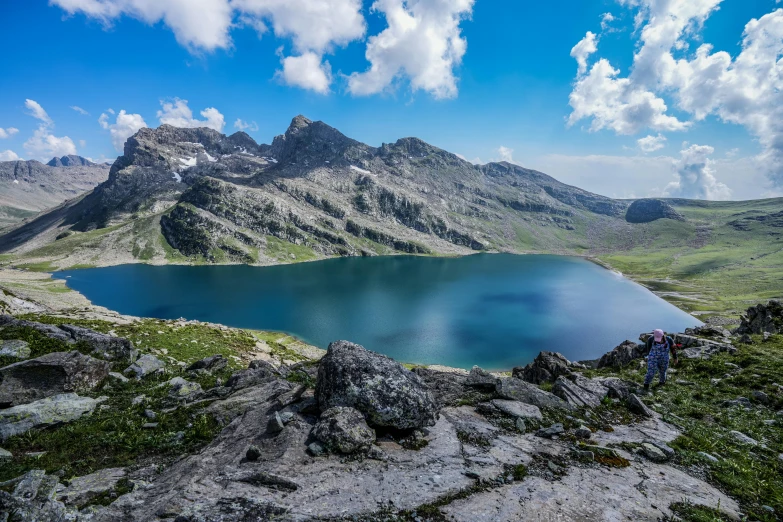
[(494, 310)]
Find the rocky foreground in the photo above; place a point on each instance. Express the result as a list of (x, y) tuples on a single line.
[(124, 430)]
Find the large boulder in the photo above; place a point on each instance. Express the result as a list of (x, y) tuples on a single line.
[(762, 318), (482, 379), (518, 390), (386, 393), (145, 365), (82, 490), (48, 375), (344, 430), (106, 346), (447, 388), (648, 210), (622, 355), (579, 391), (546, 367), (44, 413)]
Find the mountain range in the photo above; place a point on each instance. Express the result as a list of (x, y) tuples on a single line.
[(194, 195)]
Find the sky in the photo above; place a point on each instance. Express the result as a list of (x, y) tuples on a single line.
[(626, 98)]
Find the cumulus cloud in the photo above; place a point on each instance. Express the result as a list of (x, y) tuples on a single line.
[(80, 110), (245, 126), (37, 112), (506, 154), (744, 90), (8, 155), (696, 176), (124, 126), (423, 42), (178, 114), (43, 144), (197, 24), (306, 71), (581, 51), (651, 143), (7, 133), (606, 20)]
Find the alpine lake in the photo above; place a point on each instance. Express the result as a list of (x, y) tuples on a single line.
[(493, 310)]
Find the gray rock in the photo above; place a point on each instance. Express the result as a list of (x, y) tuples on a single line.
[(762, 318), (742, 402), (636, 405), (523, 391), (551, 431), (381, 389), (519, 424), (653, 453), (760, 396), (618, 388), (5, 455), (106, 346), (584, 455), (250, 377), (479, 378), (579, 391), (343, 429), (622, 355), (546, 367), (212, 363), (145, 365), (33, 500), (648, 210), (518, 409), (743, 439), (139, 399), (43, 413), (316, 449), (151, 415), (275, 424), (708, 457), (118, 377), (448, 389), (82, 490), (49, 375), (253, 453), (182, 390), (15, 348), (583, 432), (746, 339), (149, 425)]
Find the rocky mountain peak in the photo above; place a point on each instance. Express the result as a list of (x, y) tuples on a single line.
[(647, 210), (309, 142), (70, 160)]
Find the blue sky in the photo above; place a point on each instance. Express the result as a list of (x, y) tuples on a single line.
[(505, 97)]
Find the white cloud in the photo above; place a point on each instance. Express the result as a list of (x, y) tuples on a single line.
[(314, 25), (7, 133), (651, 143), (582, 50), (506, 154), (37, 112), (306, 71), (8, 155), (744, 90), (606, 20), (245, 126), (80, 110), (124, 126), (43, 144), (697, 176), (178, 114), (82, 143), (423, 42), (197, 24)]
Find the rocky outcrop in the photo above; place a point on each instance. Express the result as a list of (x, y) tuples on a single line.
[(386, 393), (46, 412), (622, 355), (82, 490), (144, 366), (15, 348), (761, 319), (579, 391), (48, 375), (482, 379), (649, 210), (33, 499), (523, 391), (546, 367), (344, 430), (213, 363)]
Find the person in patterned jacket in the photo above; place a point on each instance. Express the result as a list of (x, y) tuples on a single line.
[(659, 346)]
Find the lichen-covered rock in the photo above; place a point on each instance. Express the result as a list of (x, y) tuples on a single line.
[(546, 367), (15, 348), (480, 378), (49, 375), (182, 390), (212, 363), (579, 391), (145, 365), (43, 413), (518, 409), (523, 391), (106, 346), (32, 500), (386, 393), (762, 318), (622, 355), (344, 430), (648, 210), (81, 490)]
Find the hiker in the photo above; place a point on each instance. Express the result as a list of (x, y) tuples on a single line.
[(659, 346)]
